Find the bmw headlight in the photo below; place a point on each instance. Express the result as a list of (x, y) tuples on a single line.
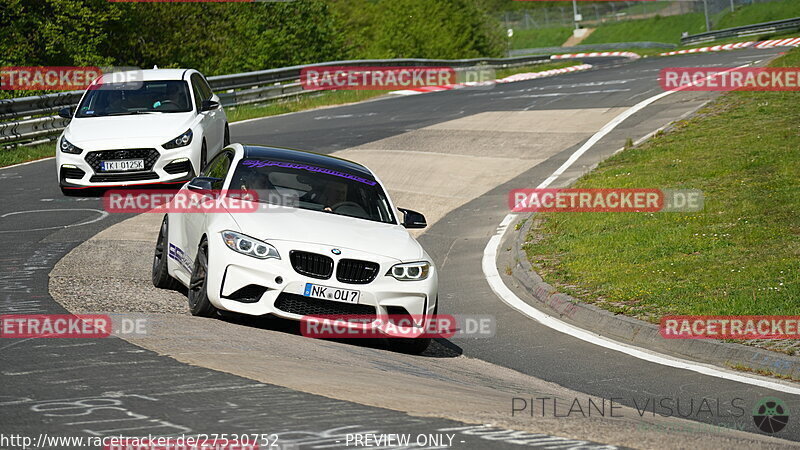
[(249, 246), (67, 147), (180, 141), (414, 271)]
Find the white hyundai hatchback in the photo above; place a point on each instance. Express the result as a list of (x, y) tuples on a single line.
[(142, 127), (325, 240)]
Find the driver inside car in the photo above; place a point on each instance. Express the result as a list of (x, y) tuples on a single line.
[(330, 195), (172, 100)]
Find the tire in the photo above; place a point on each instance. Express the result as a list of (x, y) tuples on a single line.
[(199, 304), (227, 139), (161, 277)]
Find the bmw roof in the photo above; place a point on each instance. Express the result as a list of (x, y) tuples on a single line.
[(300, 156)]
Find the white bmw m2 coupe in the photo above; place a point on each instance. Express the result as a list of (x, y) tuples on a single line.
[(325, 240), (142, 127)]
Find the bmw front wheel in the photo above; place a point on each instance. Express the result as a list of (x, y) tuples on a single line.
[(199, 304)]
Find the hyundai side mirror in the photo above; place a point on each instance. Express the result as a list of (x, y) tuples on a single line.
[(413, 219), (65, 113)]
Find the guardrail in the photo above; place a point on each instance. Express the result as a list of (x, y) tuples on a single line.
[(30, 120), (747, 30)]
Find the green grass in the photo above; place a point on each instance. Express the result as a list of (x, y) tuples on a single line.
[(16, 155), (540, 37), (763, 372), (760, 12), (656, 29), (738, 256)]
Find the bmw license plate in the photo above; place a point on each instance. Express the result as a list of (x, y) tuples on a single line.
[(122, 165), (331, 293)]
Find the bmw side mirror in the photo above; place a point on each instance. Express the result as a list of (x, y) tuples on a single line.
[(203, 185), (413, 219), (208, 105), (65, 113)]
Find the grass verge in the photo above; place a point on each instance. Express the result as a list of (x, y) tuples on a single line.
[(738, 256), (540, 37), (762, 372), (657, 29), (16, 155)]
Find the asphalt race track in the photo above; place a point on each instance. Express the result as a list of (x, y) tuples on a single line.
[(452, 155)]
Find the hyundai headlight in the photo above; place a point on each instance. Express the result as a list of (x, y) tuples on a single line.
[(414, 271), (249, 246), (67, 147), (180, 141)]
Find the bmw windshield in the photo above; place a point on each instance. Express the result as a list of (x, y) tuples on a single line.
[(313, 188), (141, 97)]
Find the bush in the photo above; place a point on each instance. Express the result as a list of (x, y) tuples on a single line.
[(221, 38)]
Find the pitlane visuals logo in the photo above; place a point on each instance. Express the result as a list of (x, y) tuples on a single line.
[(771, 415)]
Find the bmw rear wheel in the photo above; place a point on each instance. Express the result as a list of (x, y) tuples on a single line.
[(161, 277)]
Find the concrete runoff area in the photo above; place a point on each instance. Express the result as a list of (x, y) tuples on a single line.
[(445, 384), (438, 168)]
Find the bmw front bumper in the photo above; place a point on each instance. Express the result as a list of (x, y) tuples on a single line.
[(243, 284)]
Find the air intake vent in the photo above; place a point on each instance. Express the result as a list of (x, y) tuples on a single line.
[(248, 294), (307, 306), (71, 172), (355, 271), (178, 167), (311, 265)]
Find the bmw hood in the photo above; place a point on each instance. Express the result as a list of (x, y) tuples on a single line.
[(164, 126), (298, 225)]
